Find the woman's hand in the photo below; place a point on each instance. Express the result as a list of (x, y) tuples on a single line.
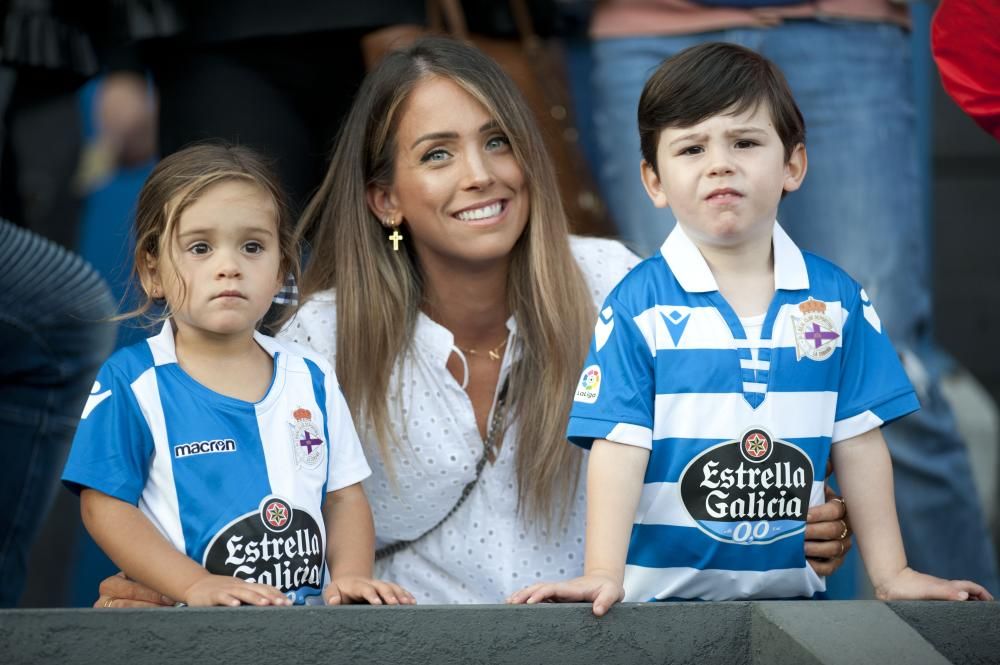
[(119, 591), (828, 535), (211, 590), (599, 589), (356, 589)]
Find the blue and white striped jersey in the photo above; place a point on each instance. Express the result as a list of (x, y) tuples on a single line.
[(739, 429), (237, 486)]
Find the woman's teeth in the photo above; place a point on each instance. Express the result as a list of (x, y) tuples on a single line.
[(491, 210)]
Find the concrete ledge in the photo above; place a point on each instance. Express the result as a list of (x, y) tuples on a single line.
[(803, 632)]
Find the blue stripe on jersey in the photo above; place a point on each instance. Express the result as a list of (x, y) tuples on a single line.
[(806, 375), (319, 390), (660, 546), (585, 430), (671, 455), (898, 407), (235, 479), (701, 370), (132, 361)]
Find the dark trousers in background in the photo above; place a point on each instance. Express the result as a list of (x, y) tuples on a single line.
[(53, 339)]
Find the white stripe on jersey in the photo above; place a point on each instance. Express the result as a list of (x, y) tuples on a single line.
[(159, 496), (718, 415), (642, 583), (633, 435), (707, 329), (784, 331), (859, 424), (661, 503)]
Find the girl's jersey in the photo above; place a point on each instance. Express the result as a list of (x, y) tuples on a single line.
[(237, 486)]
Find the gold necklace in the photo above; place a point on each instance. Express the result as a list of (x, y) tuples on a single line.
[(493, 353)]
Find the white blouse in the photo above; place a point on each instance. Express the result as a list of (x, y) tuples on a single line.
[(484, 552)]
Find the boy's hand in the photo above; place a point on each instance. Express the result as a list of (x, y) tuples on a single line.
[(908, 584), (231, 591), (602, 591), (356, 589)]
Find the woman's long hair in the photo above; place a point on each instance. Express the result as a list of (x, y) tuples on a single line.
[(379, 291)]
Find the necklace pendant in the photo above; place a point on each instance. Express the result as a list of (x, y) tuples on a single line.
[(494, 355)]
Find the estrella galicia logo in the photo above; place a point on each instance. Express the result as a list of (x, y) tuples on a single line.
[(276, 544), (751, 491)]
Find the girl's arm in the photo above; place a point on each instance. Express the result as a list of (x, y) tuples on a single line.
[(350, 552), (864, 472), (615, 474), (128, 537)]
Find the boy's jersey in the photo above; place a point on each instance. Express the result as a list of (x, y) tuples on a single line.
[(237, 486), (739, 430)]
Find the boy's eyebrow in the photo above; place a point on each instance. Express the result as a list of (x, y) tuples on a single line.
[(735, 131), (437, 136)]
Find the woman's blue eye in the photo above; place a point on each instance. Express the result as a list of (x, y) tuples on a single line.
[(497, 142), (435, 156)]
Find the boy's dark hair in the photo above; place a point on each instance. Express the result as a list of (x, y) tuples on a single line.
[(713, 78)]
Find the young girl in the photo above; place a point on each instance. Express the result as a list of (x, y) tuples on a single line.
[(215, 464)]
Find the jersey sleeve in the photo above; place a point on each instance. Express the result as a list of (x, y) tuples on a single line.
[(347, 459), (874, 389), (113, 443), (614, 398)]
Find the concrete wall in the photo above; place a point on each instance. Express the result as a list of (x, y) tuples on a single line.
[(800, 632)]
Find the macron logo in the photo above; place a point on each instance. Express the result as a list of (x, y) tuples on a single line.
[(96, 397), (204, 447)]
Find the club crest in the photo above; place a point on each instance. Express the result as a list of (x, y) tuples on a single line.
[(815, 333), (307, 444)]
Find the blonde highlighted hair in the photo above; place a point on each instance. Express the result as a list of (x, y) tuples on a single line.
[(379, 291), (175, 184)]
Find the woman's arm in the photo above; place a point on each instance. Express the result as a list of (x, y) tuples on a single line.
[(864, 471), (139, 549), (350, 552)]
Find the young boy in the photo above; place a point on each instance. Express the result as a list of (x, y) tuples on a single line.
[(727, 369)]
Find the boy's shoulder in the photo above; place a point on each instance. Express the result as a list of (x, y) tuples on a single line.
[(828, 281), (649, 283)]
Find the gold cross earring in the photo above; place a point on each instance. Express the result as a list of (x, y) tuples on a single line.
[(395, 236)]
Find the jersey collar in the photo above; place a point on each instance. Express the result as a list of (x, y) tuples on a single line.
[(694, 275)]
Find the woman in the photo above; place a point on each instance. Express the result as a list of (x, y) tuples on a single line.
[(457, 310)]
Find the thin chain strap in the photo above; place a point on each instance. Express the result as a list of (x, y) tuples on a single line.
[(489, 448)]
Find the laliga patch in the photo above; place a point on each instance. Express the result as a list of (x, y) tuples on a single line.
[(869, 311), (276, 544), (590, 385), (815, 332), (306, 441), (751, 491), (602, 330)]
